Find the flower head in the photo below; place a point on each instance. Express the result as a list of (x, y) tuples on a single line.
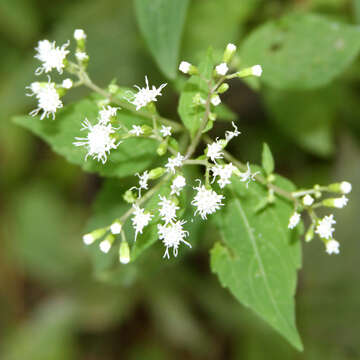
[(51, 56), (215, 100), (324, 228), (206, 201), (229, 135), (146, 95), (257, 70), (116, 227), (345, 187), (341, 202), (172, 163), (106, 113), (178, 183), (172, 235), (332, 247), (140, 219), (136, 130), (165, 131), (48, 99), (79, 34), (308, 200), (247, 176), (184, 67), (214, 151), (67, 84), (143, 181), (167, 209), (224, 172), (294, 220), (222, 69), (99, 140), (81, 56)]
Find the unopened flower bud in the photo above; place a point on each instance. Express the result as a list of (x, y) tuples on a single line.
[(89, 238), (257, 70), (222, 88), (113, 88), (115, 228), (162, 148), (106, 244), (129, 197), (67, 84), (156, 173), (79, 34), (229, 52), (146, 130), (336, 202), (124, 252), (343, 188), (310, 233), (251, 71)]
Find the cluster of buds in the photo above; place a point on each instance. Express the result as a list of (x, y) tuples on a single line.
[(52, 57), (313, 199)]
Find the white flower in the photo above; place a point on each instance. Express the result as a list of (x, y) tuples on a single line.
[(324, 228), (231, 134), (136, 130), (79, 34), (167, 209), (165, 131), (143, 182), (184, 67), (214, 151), (215, 100), (88, 239), (206, 201), (172, 163), (224, 172), (115, 228), (294, 220), (345, 187), (178, 183), (146, 95), (105, 246), (231, 47), (332, 247), (67, 84), (256, 70), (81, 56), (247, 176), (48, 99), (52, 57), (172, 235), (308, 200), (106, 113), (222, 69), (341, 202), (99, 140), (140, 219)]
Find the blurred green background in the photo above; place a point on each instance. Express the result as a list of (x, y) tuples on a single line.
[(53, 307)]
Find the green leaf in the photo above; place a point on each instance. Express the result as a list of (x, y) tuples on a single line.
[(133, 155), (267, 160), (259, 257), (161, 23), (301, 51), (305, 117), (191, 114)]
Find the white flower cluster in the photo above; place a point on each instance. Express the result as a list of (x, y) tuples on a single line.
[(52, 57)]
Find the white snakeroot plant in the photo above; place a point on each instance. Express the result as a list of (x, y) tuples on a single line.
[(174, 149)]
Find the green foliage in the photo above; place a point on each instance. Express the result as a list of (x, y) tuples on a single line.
[(307, 118), (161, 23), (134, 156), (192, 114), (301, 51), (267, 160), (259, 258)]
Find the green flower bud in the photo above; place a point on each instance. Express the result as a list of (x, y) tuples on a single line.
[(129, 197), (89, 238), (147, 130), (156, 173), (229, 52), (342, 188), (124, 252), (310, 233), (162, 148), (223, 88), (106, 244)]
